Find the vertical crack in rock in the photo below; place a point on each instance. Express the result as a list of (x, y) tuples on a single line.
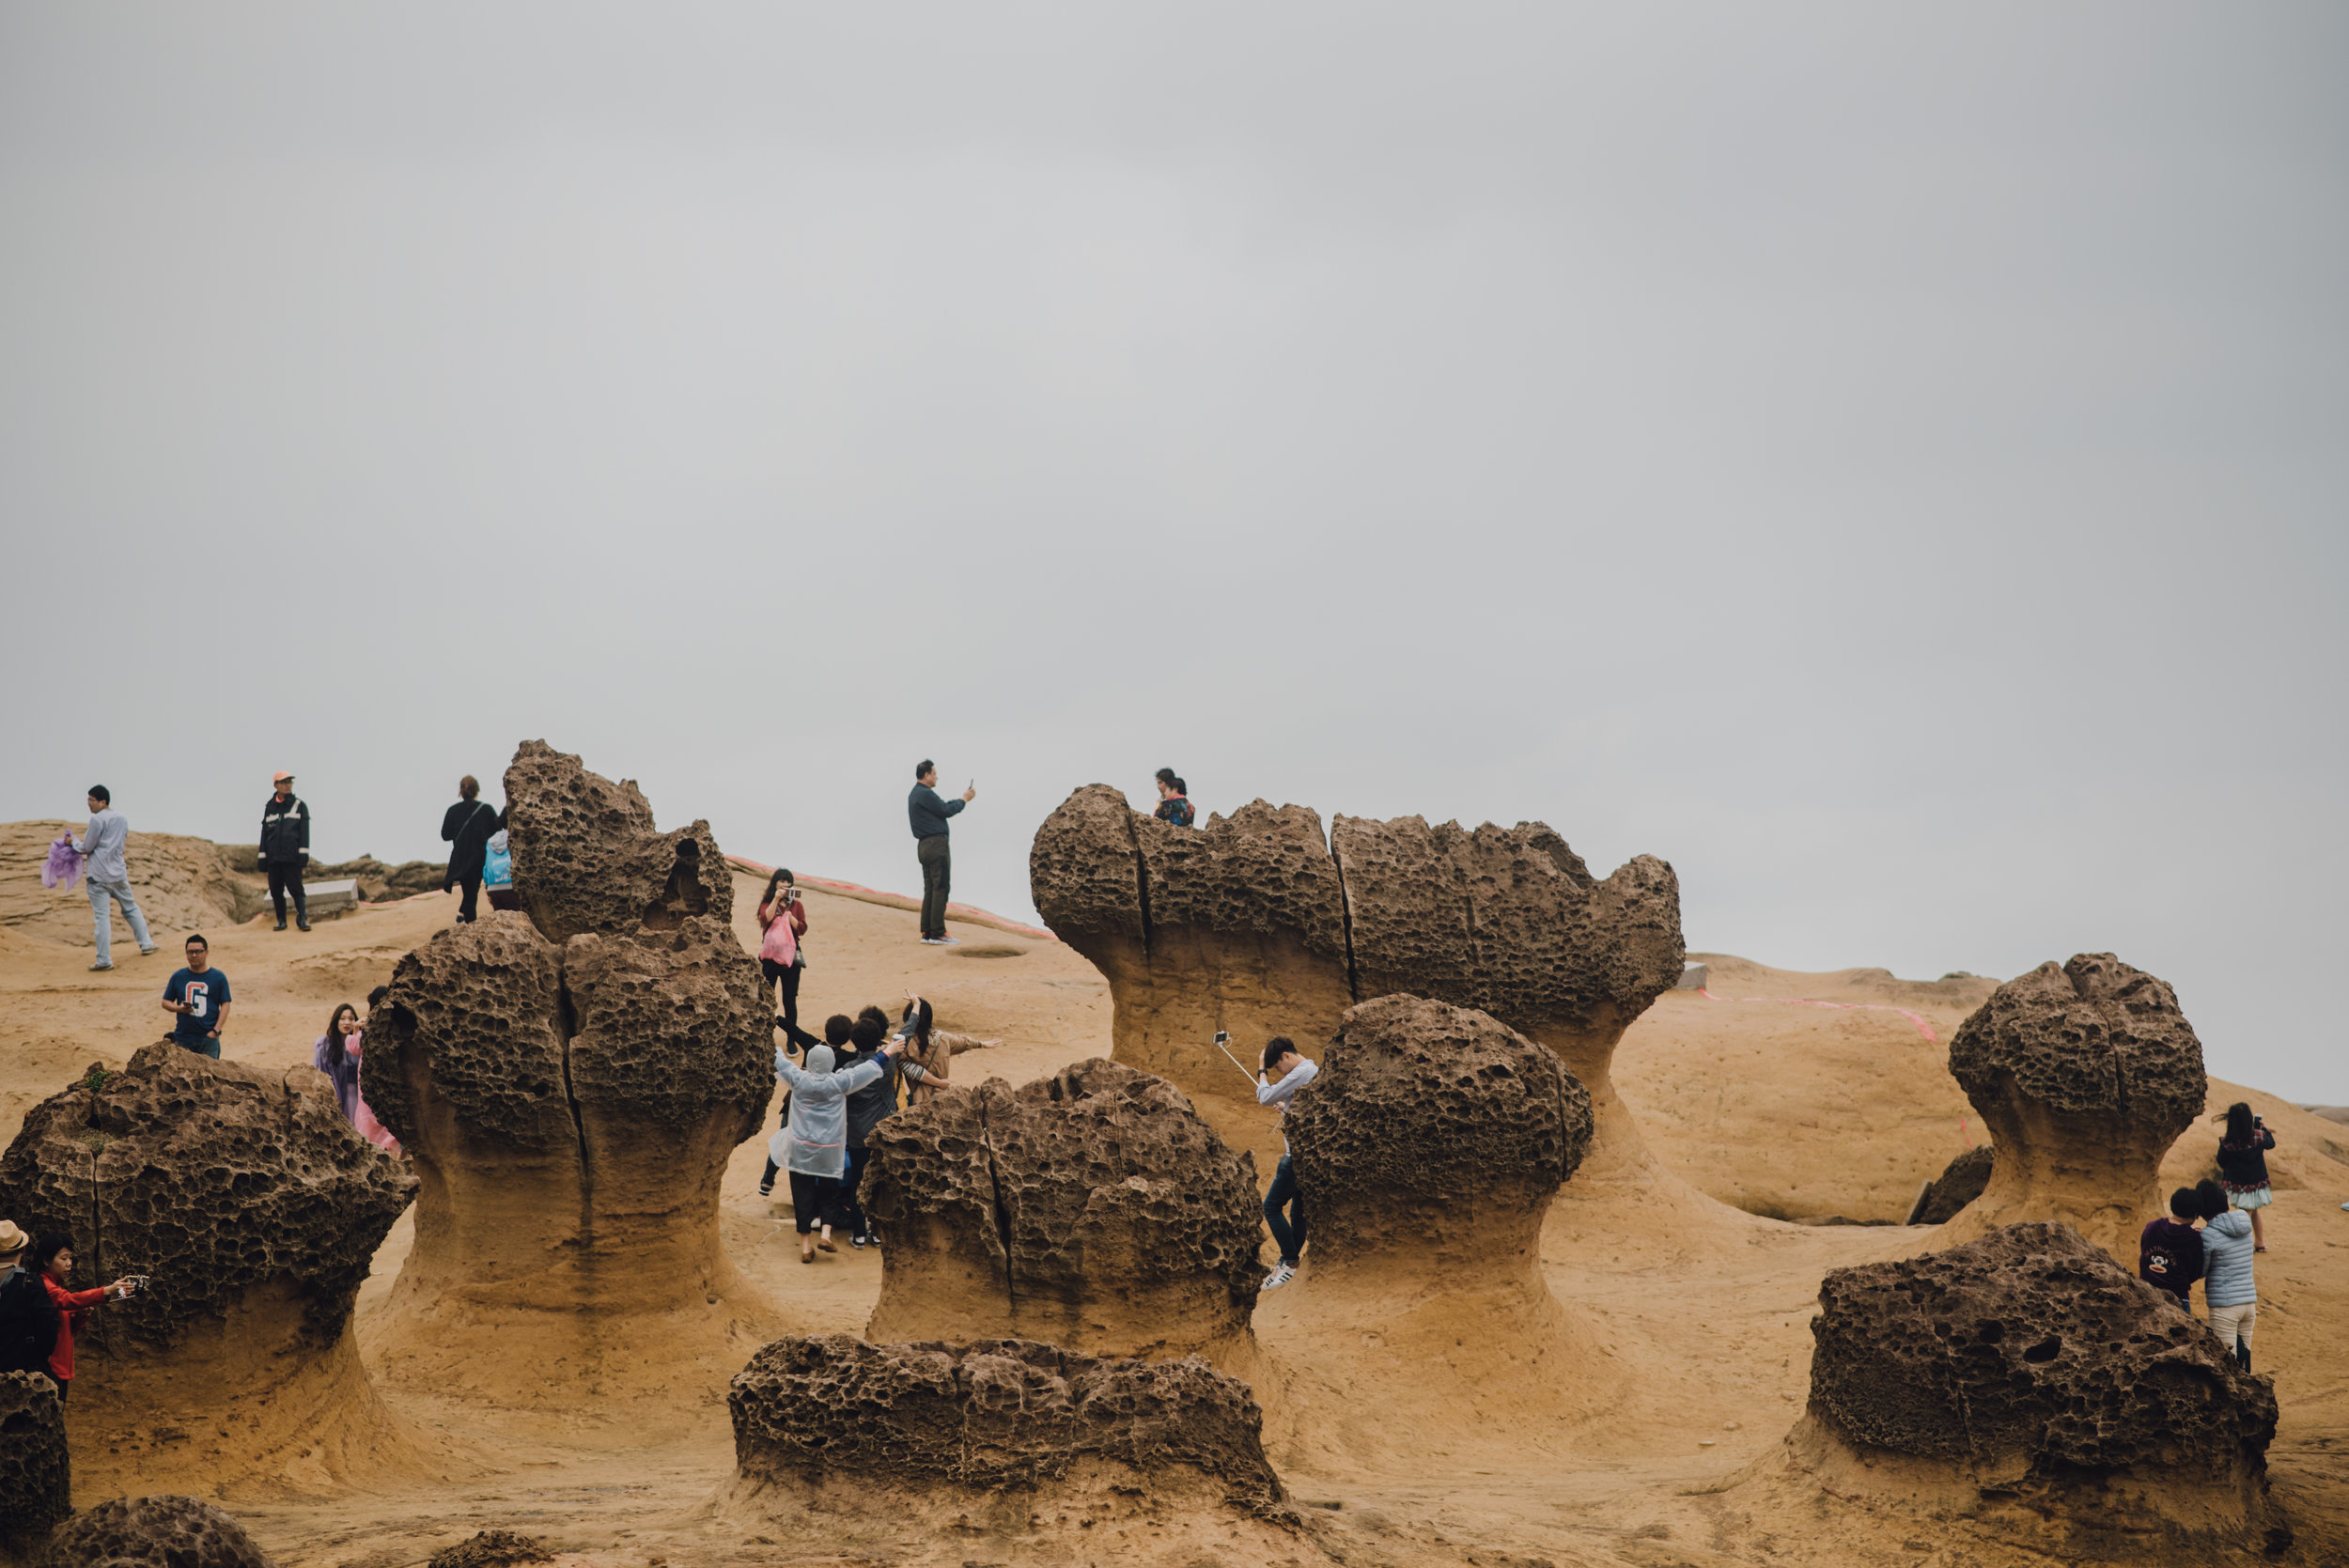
[(1142, 884), (567, 1011), (1346, 916), (1002, 1211)]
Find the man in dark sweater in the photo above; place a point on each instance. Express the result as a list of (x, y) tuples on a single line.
[(286, 849), (928, 813), (2169, 1251), (868, 1108)]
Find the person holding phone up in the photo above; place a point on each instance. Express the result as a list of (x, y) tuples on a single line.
[(928, 813)]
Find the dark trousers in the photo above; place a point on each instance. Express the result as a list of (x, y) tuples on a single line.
[(845, 1210), (787, 978), (935, 881), (812, 1199), (1289, 1231), (469, 886), (504, 898), (285, 877)]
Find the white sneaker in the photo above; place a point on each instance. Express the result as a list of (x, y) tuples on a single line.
[(1279, 1277), (942, 941)]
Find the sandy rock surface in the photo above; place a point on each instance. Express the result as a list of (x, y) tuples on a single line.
[(165, 1532)]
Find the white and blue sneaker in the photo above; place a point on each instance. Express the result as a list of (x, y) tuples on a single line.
[(1279, 1277)]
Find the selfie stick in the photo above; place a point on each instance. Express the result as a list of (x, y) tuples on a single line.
[(1234, 1060)]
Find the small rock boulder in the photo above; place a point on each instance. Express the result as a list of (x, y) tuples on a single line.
[(587, 856), (997, 1414), (35, 1484), (2029, 1358), (1094, 1206), (153, 1533), (1959, 1183), (2085, 1075)]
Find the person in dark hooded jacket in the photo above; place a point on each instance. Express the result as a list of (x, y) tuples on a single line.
[(285, 848), (466, 827)]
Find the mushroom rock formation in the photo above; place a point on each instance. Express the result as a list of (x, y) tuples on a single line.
[(1428, 1151), (1255, 926), (1238, 927), (153, 1533), (2085, 1075), (254, 1209), (2028, 1377), (997, 1437), (570, 1084), (1510, 921), (34, 1486), (1093, 1208)]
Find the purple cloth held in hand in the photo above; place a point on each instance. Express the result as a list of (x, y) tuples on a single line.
[(64, 864)]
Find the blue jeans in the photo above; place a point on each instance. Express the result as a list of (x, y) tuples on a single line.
[(1289, 1234), (207, 1045), (120, 892)]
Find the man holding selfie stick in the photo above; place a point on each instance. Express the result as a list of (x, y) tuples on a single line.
[(928, 813), (1284, 1073)]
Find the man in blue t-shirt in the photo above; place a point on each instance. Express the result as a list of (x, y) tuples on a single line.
[(199, 994)]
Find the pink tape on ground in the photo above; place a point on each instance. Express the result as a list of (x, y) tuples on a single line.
[(1923, 1028)]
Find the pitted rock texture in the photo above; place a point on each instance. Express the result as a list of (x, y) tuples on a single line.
[(1508, 921), (2092, 1036), (1424, 1105), (1094, 1204), (570, 1084), (1960, 1183), (1255, 926), (2031, 1348), (213, 1177), (588, 858), (153, 1533), (999, 1413), (2084, 1075), (35, 1489)]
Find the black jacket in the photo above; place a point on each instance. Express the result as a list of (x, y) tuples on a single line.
[(28, 1321), (468, 826), (284, 829), (873, 1104)]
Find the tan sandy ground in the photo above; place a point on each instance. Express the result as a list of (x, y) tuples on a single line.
[(1690, 1350)]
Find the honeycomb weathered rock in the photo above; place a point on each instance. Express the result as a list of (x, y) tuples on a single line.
[(1094, 1207), (571, 1089), (215, 1177), (1254, 925), (153, 1533), (1422, 1108), (2032, 1349), (587, 856), (35, 1486), (1960, 1183), (2085, 1075), (994, 1414)]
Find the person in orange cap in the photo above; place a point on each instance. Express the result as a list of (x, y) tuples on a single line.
[(286, 848)]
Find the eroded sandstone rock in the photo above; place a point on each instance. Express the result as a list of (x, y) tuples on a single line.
[(1427, 1116), (588, 858), (1094, 1206), (2085, 1075), (1255, 926), (35, 1486), (1959, 1183), (2030, 1362), (992, 1415), (570, 1084), (254, 1207), (153, 1533)]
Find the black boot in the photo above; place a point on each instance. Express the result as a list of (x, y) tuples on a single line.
[(2243, 1355), (302, 920), (281, 923)]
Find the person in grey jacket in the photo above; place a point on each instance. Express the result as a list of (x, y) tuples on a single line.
[(2228, 1288), (286, 848), (110, 876), (819, 1128)]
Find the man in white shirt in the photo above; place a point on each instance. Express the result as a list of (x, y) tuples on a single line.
[(109, 877), (1284, 1073)]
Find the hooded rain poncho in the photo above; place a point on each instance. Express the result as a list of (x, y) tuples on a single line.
[(820, 1113)]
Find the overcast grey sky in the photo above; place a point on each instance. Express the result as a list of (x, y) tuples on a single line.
[(1888, 460)]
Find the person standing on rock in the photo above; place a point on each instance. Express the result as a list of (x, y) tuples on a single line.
[(820, 1119), (466, 827), (2169, 1251), (286, 848), (782, 921), (1284, 1073), (1174, 800), (200, 995), (110, 876), (2228, 1288), (2242, 1166), (928, 813), (53, 1256)]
